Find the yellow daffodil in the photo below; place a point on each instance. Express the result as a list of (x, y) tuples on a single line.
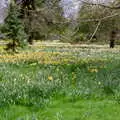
[(50, 78)]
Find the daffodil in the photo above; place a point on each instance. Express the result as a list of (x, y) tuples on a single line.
[(50, 78)]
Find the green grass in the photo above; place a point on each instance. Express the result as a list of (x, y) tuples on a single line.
[(85, 90), (64, 109), (29, 84)]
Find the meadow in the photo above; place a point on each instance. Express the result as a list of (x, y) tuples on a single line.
[(60, 81)]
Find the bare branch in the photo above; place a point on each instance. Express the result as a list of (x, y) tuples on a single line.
[(95, 30), (100, 4)]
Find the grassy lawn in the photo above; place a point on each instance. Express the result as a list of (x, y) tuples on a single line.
[(60, 82), (63, 109)]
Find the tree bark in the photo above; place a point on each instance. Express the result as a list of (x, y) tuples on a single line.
[(112, 38)]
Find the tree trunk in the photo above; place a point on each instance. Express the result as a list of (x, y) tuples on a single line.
[(30, 38), (13, 46), (112, 38)]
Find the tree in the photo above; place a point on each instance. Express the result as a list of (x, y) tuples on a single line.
[(43, 19), (97, 20), (14, 29), (106, 15), (26, 6)]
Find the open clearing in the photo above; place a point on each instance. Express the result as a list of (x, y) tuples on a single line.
[(60, 81)]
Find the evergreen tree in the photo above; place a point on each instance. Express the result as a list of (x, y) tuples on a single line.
[(14, 29)]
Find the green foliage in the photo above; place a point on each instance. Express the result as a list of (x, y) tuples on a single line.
[(64, 109), (35, 84), (14, 28), (87, 21), (28, 87), (79, 37)]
